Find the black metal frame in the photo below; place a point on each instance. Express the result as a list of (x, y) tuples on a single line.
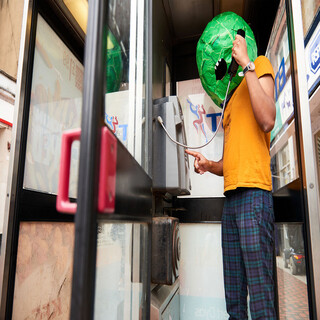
[(84, 261)]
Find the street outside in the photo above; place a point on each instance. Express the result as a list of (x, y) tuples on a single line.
[(293, 295), (301, 277)]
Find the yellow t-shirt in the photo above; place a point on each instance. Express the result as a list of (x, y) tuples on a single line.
[(246, 158)]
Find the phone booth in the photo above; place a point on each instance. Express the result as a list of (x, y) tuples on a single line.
[(105, 216)]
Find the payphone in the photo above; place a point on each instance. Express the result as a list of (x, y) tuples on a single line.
[(170, 163)]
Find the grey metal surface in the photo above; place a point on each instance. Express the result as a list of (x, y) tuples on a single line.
[(161, 48), (170, 163), (308, 170), (133, 187), (165, 255), (161, 296), (198, 210), (149, 106)]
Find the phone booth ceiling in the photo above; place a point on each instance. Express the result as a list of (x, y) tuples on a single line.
[(187, 19)]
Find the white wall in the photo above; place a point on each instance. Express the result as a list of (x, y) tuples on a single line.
[(201, 272)]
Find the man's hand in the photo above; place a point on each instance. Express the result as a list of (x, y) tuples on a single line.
[(239, 51), (261, 90), (200, 162)]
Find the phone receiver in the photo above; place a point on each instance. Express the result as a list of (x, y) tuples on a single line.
[(234, 65)]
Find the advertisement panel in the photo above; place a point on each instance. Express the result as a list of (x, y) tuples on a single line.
[(312, 55), (201, 119), (55, 106)]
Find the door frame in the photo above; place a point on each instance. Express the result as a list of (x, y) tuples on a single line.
[(307, 165)]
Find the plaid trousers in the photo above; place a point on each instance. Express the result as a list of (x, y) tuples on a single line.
[(247, 245)]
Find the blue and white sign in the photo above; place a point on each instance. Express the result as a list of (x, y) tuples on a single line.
[(315, 54), (313, 59)]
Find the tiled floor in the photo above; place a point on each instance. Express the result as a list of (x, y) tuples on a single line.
[(293, 297)]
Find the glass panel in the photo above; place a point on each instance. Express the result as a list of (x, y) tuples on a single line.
[(56, 93), (291, 272), (55, 106), (283, 145), (284, 165), (44, 260), (202, 293), (125, 111), (126, 75), (121, 274)]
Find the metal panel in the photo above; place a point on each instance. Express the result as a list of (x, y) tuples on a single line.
[(133, 188), (149, 62), (165, 255), (161, 48), (308, 166), (197, 210), (162, 297), (170, 164)]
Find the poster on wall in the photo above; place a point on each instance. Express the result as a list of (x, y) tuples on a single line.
[(201, 119), (55, 106), (117, 115)]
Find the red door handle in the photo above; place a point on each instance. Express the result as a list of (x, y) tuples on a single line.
[(107, 174), (63, 203)]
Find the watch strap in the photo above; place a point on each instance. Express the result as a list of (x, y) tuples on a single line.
[(246, 69)]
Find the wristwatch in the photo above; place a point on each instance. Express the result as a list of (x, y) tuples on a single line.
[(249, 67)]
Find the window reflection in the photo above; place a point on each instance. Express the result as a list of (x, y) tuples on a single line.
[(283, 145), (121, 274), (291, 272), (284, 165), (125, 111)]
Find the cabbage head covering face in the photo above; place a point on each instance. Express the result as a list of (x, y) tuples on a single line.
[(214, 54)]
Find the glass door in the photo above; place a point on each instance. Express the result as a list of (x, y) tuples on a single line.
[(289, 142), (84, 108)]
